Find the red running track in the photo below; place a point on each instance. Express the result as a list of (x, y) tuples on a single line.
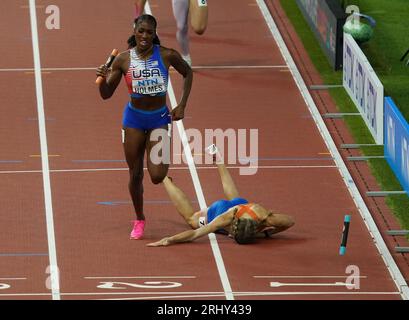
[(241, 81)]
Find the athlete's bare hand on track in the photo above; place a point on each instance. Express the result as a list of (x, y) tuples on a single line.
[(164, 242), (178, 113)]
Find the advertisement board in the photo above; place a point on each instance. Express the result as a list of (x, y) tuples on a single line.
[(364, 87), (396, 147), (326, 18)]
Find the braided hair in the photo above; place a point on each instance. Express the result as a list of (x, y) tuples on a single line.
[(148, 18), (244, 230)]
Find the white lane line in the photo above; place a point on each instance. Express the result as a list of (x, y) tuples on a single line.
[(167, 294), (199, 192), (55, 287), (142, 277), (308, 277), (303, 284), (174, 168), (390, 263), (194, 68), (168, 297), (241, 67)]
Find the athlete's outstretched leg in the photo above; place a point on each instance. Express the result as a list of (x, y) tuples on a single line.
[(180, 201), (229, 187)]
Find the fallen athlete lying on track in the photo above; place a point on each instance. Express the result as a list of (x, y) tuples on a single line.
[(237, 217)]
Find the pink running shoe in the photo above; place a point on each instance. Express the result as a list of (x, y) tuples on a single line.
[(138, 228)]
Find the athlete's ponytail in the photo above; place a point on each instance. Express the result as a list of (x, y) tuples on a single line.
[(145, 17), (131, 42), (244, 230)]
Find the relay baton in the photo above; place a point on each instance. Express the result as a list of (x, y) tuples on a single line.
[(344, 239), (108, 64)]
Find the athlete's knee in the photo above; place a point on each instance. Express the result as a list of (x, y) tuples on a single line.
[(192, 223), (158, 173), (199, 25), (156, 179), (199, 29)]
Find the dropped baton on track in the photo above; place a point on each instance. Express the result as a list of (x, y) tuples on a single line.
[(108, 64), (343, 247)]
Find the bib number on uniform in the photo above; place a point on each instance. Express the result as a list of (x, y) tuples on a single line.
[(149, 86)]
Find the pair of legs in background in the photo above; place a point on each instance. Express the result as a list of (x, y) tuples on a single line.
[(198, 11)]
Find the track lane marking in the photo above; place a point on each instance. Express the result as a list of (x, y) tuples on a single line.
[(54, 279), (309, 277), (23, 255), (141, 277)]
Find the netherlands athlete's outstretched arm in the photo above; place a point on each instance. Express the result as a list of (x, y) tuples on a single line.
[(220, 222)]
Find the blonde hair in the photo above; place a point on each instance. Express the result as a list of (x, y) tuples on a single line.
[(244, 230)]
